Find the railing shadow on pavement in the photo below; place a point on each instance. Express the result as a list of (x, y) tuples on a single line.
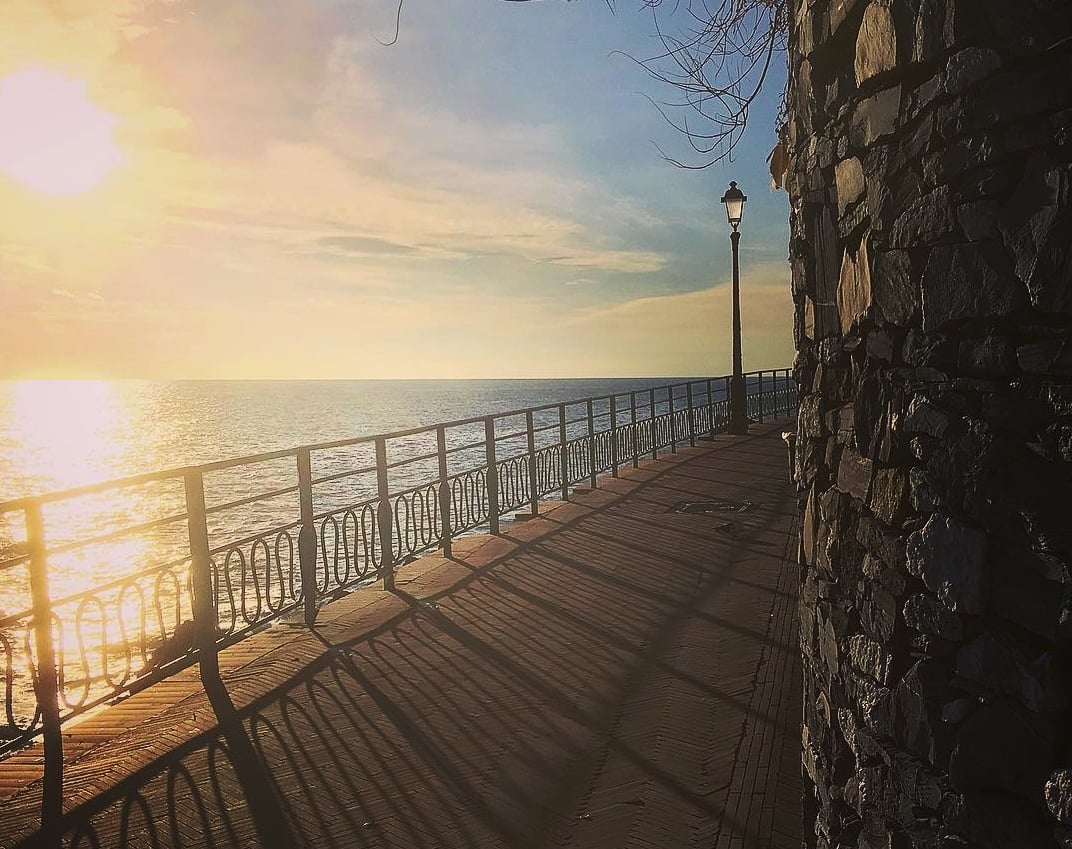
[(455, 707)]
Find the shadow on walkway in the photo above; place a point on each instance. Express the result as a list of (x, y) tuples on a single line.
[(618, 679)]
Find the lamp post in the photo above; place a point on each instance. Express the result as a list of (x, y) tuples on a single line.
[(735, 200)]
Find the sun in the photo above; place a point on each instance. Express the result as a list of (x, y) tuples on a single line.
[(54, 139)]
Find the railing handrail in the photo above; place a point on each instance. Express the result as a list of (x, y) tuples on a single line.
[(177, 472)]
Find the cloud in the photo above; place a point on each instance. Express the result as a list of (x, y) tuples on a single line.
[(364, 246), (75, 296), (690, 333)]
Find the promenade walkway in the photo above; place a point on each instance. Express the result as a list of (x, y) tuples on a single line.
[(610, 674)]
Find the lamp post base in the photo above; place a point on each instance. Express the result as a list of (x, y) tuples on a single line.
[(738, 423)]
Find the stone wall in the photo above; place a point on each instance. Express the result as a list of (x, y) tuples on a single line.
[(930, 176)]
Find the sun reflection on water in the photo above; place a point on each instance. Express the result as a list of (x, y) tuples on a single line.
[(63, 434), (67, 432)]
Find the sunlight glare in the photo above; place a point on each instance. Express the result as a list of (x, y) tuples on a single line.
[(67, 432), (54, 139)]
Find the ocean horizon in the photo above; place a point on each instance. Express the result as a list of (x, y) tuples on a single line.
[(56, 434)]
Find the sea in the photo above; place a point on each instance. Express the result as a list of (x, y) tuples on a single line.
[(60, 434)]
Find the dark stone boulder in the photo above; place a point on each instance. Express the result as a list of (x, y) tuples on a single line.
[(950, 558), (868, 409), (1020, 494), (1027, 598), (923, 417), (869, 658), (1003, 746), (987, 357), (854, 474), (969, 282), (924, 613), (878, 614), (1045, 357), (889, 496), (967, 67), (993, 820), (932, 221), (1002, 664), (1028, 214), (1058, 793), (911, 713), (880, 574), (875, 117)]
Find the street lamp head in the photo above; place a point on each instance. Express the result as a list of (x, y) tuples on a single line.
[(734, 200)]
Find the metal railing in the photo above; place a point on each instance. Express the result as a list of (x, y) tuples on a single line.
[(194, 559)]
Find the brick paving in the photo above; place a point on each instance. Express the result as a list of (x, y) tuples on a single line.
[(609, 674)]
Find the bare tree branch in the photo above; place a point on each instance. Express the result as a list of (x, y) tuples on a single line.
[(398, 25), (717, 55)]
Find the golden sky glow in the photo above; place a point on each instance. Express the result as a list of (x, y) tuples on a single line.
[(198, 188)]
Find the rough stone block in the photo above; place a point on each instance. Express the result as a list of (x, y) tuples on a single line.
[(995, 820), (1027, 217), (869, 658), (934, 29), (1005, 747), (967, 67), (931, 221), (875, 117), (854, 474), (978, 220), (969, 281), (950, 558), (889, 493), (924, 417), (878, 614), (849, 181), (987, 357), (1002, 664), (1028, 599), (876, 43), (915, 707), (881, 575), (1059, 795), (854, 288), (895, 289), (924, 613)]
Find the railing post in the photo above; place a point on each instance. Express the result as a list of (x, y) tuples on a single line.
[(711, 407), (651, 421), (447, 536), (492, 474), (761, 396), (206, 620), (383, 517), (673, 428), (534, 479), (564, 453), (46, 685), (692, 415), (632, 422), (614, 436), (591, 445), (729, 391), (307, 535)]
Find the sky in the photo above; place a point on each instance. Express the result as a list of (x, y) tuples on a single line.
[(262, 189)]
